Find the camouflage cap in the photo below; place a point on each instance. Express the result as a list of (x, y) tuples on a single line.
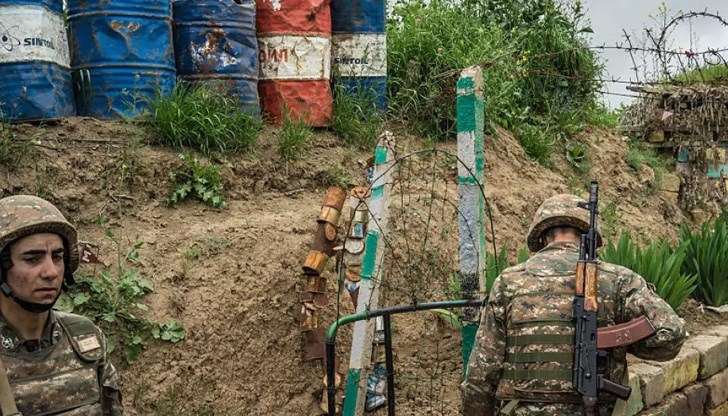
[(24, 215), (559, 211)]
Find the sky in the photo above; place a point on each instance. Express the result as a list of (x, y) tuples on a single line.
[(609, 17)]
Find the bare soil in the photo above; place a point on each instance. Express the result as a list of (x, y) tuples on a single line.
[(238, 301)]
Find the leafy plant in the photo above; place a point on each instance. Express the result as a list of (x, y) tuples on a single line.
[(200, 118), (576, 155), (293, 139), (495, 265), (357, 119), (658, 263), (707, 257), (610, 219), (640, 154), (112, 299), (193, 179)]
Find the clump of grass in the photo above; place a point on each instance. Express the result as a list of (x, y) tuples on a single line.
[(356, 119), (640, 154), (293, 139), (199, 118), (13, 150)]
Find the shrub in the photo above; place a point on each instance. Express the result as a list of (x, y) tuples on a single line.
[(193, 179), (356, 119), (200, 118), (293, 139), (112, 300), (707, 257), (658, 263)]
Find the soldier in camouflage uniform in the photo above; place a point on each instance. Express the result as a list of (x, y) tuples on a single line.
[(521, 363), (56, 362)]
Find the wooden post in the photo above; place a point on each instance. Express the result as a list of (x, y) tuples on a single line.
[(470, 123), (371, 273)]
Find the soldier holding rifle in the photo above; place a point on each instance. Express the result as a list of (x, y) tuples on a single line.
[(538, 350)]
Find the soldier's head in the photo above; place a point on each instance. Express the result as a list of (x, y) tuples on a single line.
[(559, 217), (38, 252)]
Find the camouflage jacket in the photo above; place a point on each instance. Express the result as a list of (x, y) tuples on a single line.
[(61, 373), (534, 299)]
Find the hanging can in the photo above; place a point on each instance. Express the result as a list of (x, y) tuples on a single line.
[(215, 44), (294, 42), (121, 54), (359, 49), (34, 61)]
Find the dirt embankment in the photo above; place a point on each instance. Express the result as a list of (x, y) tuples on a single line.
[(238, 300)]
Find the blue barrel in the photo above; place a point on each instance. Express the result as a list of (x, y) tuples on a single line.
[(359, 47), (215, 43), (35, 82), (121, 54)]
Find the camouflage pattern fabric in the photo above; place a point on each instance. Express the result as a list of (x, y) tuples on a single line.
[(534, 298), (48, 376), (559, 211), (23, 215)]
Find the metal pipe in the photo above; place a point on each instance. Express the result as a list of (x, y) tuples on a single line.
[(386, 312), (390, 363)]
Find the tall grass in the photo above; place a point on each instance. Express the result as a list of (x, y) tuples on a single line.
[(14, 150), (199, 118), (707, 257), (538, 77), (293, 139), (357, 118)]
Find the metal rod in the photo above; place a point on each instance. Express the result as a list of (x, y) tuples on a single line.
[(331, 375), (390, 363)]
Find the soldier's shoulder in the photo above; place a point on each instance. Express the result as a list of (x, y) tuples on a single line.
[(615, 269)]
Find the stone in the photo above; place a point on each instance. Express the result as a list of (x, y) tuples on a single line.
[(634, 403), (721, 410), (713, 354), (670, 182), (677, 405), (652, 383), (645, 174), (680, 371), (717, 389), (719, 331), (655, 411), (697, 395), (656, 136)]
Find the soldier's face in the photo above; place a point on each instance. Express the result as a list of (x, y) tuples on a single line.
[(37, 272)]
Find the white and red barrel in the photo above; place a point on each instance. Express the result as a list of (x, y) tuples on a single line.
[(294, 42)]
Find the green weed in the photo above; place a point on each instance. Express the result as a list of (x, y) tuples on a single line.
[(356, 119), (658, 263), (640, 154), (334, 176), (707, 257), (201, 182), (610, 220), (13, 150), (199, 118), (293, 139), (113, 300)]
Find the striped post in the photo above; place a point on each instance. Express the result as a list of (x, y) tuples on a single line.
[(371, 273), (470, 122)]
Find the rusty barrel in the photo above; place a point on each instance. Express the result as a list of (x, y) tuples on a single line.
[(121, 54), (359, 49), (294, 42), (215, 44), (36, 81)]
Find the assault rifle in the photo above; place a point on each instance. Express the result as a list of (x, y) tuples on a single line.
[(590, 342)]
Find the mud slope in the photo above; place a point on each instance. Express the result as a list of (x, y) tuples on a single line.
[(238, 299)]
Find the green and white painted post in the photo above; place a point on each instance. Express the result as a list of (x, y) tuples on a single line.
[(470, 123), (371, 274)]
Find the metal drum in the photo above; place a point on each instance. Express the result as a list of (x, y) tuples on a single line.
[(294, 42), (35, 83), (121, 54), (215, 43), (359, 47)]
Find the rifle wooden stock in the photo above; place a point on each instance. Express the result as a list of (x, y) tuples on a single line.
[(590, 287), (580, 278), (624, 334)]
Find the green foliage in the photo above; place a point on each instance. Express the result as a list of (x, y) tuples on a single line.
[(193, 179), (640, 154), (334, 176), (356, 119), (13, 150), (112, 299), (710, 73), (200, 118), (658, 263), (495, 265), (610, 220), (537, 80), (293, 139), (576, 155), (707, 257)]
